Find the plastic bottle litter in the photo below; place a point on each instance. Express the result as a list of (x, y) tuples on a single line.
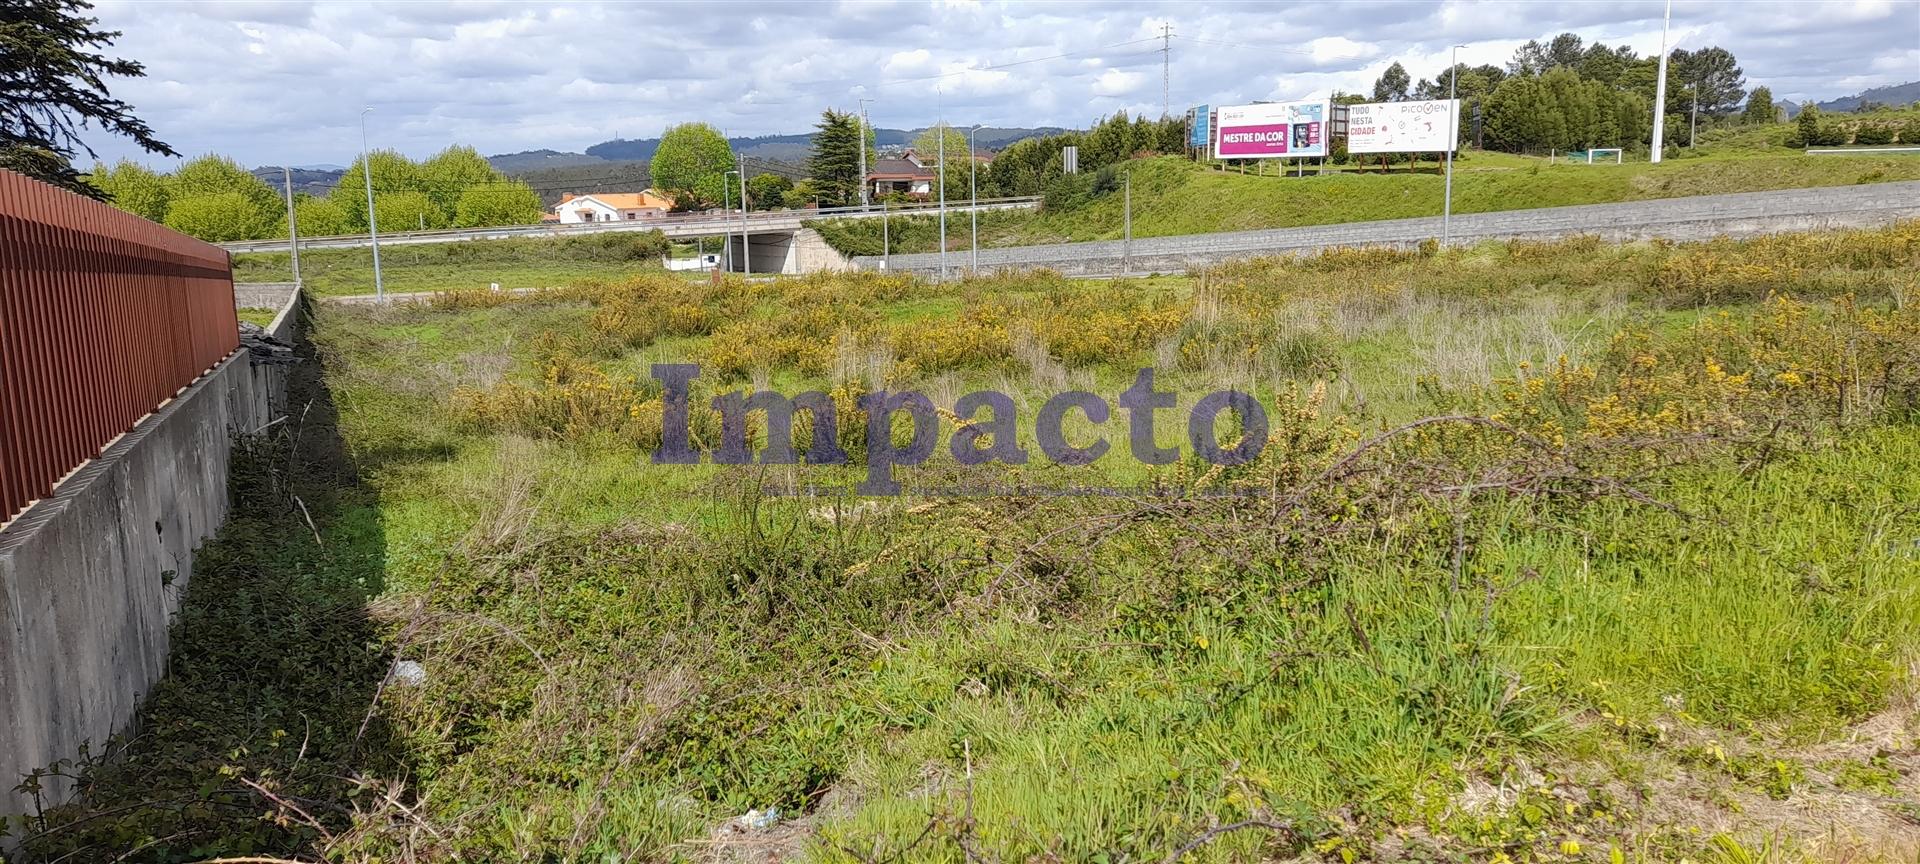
[(408, 673), (755, 820)]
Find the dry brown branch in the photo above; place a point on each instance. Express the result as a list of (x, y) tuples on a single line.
[(1212, 834)]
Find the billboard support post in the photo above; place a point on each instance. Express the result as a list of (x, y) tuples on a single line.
[(1453, 140)]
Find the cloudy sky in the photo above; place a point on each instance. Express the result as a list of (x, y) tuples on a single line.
[(284, 82)]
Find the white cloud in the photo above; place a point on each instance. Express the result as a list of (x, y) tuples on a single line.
[(272, 82), (1114, 82)]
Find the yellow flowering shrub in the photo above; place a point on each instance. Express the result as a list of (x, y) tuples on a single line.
[(1792, 363)]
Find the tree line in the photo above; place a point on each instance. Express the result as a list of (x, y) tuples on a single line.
[(1566, 94), (216, 200)]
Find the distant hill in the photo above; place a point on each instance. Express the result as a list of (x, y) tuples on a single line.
[(313, 180), (1894, 95), (585, 178), (791, 149), (530, 160)]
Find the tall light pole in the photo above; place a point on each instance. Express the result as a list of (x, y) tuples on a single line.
[(1660, 90), (726, 204), (373, 224), (973, 193), (746, 240), (865, 202), (293, 228), (746, 253), (1453, 141), (1693, 126), (940, 128)]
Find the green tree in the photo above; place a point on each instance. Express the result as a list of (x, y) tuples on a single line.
[(502, 203), (1393, 84), (1517, 116), (218, 217), (52, 86), (1114, 139), (407, 211), (690, 165), (212, 174), (1873, 134), (799, 196), (1759, 110), (1711, 74), (393, 174), (212, 179), (320, 217), (1910, 132), (927, 144), (834, 165), (769, 191), (449, 174), (1601, 64), (1807, 125), (134, 188)]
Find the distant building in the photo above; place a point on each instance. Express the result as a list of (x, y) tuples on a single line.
[(904, 176), (611, 207)]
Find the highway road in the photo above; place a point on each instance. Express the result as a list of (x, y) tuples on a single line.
[(690, 225), (1693, 218)]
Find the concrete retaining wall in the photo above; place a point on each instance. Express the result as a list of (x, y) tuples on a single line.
[(1696, 218), (262, 295), (91, 577)]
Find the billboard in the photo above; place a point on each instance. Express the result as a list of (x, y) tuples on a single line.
[(1274, 130), (1402, 127), (1198, 130)]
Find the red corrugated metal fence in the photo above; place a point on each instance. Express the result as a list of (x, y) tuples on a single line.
[(103, 316)]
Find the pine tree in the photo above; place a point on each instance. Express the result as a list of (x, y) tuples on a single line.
[(834, 165), (51, 86), (1759, 110)]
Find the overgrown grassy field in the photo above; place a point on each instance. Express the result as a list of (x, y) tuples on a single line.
[(1173, 196), (471, 265), (1554, 552)]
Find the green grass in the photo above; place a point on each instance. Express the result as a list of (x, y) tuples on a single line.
[(262, 317), (470, 265), (1172, 196), (623, 656)]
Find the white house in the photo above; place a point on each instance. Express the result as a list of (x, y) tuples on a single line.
[(611, 207)]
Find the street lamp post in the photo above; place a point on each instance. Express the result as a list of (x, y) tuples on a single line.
[(865, 201), (746, 240), (726, 203), (1693, 126), (973, 193), (293, 227), (746, 251), (1660, 89), (1453, 141), (940, 128), (373, 224)]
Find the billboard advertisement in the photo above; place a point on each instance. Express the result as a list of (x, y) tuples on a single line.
[(1274, 130), (1402, 127), (1198, 132)]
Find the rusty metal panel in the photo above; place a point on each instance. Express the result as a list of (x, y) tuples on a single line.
[(103, 316)]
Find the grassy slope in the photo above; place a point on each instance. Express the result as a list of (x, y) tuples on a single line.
[(1172, 695), (650, 650), (1173, 196), (472, 265)]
